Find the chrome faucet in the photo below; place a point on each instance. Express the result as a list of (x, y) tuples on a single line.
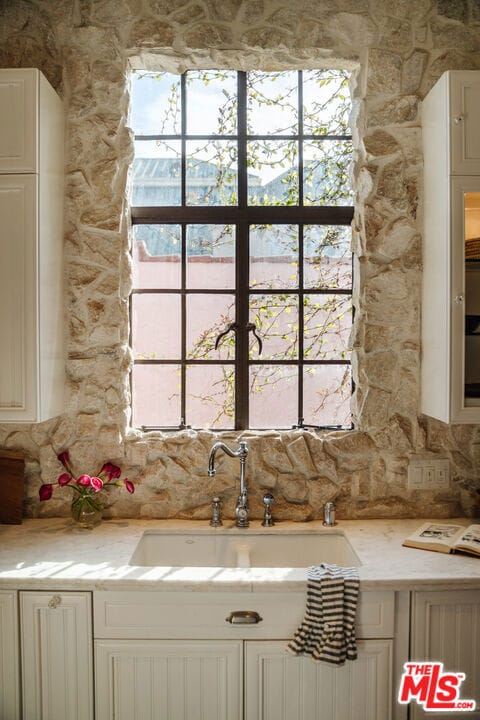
[(242, 510)]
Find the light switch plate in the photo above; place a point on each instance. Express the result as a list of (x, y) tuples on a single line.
[(428, 474)]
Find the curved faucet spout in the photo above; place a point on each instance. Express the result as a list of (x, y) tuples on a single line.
[(242, 509)]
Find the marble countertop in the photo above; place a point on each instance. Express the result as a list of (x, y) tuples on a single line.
[(53, 554)]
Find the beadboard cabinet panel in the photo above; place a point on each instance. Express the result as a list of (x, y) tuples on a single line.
[(162, 680), (446, 628), (9, 657), (57, 656), (282, 687)]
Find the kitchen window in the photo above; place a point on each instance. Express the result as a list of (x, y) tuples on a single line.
[(241, 306)]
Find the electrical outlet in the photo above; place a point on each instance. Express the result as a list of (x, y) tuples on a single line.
[(428, 474)]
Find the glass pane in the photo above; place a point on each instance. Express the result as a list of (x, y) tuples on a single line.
[(272, 172), (327, 258), (156, 326), (157, 174), (327, 391), (272, 103), (207, 317), (211, 172), (276, 320), (210, 396), (211, 256), (326, 173), (327, 325), (156, 395), (211, 102), (273, 256), (326, 102), (157, 256), (472, 296), (273, 396), (155, 103)]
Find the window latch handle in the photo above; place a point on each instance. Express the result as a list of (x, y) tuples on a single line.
[(251, 327), (229, 328)]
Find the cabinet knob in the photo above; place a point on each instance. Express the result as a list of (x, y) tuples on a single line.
[(54, 602), (458, 299), (458, 119)]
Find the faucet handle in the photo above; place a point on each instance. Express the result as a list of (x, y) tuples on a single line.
[(216, 520), (268, 501)]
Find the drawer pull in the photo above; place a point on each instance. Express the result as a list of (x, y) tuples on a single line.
[(244, 617)]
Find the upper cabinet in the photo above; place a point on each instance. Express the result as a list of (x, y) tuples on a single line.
[(32, 362), (451, 249)]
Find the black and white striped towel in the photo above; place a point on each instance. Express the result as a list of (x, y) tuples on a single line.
[(327, 632)]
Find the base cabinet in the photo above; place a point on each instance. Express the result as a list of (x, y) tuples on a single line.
[(281, 687), (9, 657), (57, 657), (446, 628)]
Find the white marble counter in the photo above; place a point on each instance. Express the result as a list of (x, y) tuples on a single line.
[(52, 554)]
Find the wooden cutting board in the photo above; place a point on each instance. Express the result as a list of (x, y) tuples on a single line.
[(12, 469)]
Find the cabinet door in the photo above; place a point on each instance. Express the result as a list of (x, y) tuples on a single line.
[(9, 657), (18, 120), (57, 656), (446, 628), (18, 291), (168, 680), (282, 687), (464, 119)]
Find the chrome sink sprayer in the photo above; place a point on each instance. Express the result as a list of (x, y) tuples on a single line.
[(242, 510)]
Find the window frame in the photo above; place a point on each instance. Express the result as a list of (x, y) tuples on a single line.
[(242, 216)]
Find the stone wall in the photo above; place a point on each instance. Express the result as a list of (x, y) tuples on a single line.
[(396, 50)]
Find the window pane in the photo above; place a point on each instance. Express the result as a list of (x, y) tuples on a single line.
[(207, 317), (156, 326), (273, 256), (327, 256), (211, 172), (326, 102), (328, 321), (157, 174), (327, 391), (276, 320), (272, 102), (272, 172), (156, 395), (157, 255), (211, 102), (326, 173), (155, 103), (273, 396), (211, 256), (210, 396)]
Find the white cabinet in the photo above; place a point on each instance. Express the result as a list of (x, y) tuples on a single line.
[(173, 655), (451, 250), (31, 245), (161, 680), (57, 656), (446, 628), (9, 657)]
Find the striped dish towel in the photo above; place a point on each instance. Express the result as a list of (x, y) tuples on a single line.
[(327, 632)]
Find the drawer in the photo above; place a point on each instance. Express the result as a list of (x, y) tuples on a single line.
[(200, 615)]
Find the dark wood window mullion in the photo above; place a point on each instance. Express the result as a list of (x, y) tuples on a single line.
[(242, 265), (183, 368)]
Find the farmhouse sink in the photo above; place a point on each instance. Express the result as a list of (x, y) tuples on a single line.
[(262, 549)]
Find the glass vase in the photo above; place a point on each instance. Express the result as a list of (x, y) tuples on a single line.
[(86, 511)]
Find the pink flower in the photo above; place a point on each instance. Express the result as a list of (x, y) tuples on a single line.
[(130, 487), (84, 480), (110, 471), (96, 483), (45, 492), (64, 458), (64, 479)]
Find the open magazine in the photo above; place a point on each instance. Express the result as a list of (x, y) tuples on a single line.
[(446, 538)]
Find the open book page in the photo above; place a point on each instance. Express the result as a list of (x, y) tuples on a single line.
[(469, 539), (437, 536)]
